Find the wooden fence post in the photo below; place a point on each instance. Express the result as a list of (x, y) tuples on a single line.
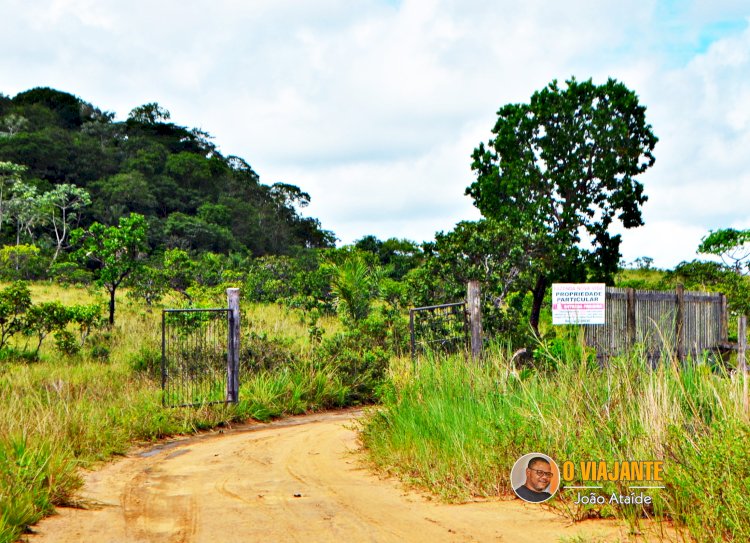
[(233, 346), (724, 332), (742, 357), (473, 301), (411, 334), (630, 316), (680, 319)]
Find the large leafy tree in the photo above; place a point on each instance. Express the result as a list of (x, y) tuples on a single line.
[(560, 170), (116, 250), (489, 251), (731, 245)]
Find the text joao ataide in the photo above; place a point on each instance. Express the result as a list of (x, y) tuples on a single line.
[(630, 471)]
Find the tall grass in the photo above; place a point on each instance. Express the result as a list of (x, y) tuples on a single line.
[(458, 427), (59, 413)]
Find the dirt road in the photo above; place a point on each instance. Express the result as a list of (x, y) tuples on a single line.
[(297, 480)]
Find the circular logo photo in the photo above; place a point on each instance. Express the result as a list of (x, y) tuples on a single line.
[(535, 477)]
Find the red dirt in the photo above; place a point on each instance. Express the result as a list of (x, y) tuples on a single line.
[(302, 479)]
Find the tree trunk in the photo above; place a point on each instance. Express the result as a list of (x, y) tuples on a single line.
[(112, 307), (540, 289)]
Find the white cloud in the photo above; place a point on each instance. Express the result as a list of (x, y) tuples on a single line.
[(374, 107)]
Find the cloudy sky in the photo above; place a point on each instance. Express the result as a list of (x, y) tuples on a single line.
[(374, 106)]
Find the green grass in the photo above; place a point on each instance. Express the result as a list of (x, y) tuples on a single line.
[(457, 428), (61, 413)]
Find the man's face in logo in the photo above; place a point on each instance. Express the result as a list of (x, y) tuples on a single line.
[(538, 476)]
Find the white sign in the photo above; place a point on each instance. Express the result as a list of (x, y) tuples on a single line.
[(578, 303)]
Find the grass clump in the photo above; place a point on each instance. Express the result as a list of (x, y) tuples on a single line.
[(458, 427)]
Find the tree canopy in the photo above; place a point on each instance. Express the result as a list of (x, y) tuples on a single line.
[(560, 170), (731, 245), (192, 196)]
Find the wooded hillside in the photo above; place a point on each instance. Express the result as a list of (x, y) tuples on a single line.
[(193, 197)]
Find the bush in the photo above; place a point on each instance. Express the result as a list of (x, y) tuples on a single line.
[(261, 353), (21, 262), (69, 273), (66, 343), (15, 300), (148, 361)]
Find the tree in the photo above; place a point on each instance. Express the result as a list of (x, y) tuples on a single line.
[(15, 300), (12, 125), (62, 206), (25, 209), (148, 284), (9, 175), (179, 271), (116, 250), (151, 113), (561, 167), (732, 246)]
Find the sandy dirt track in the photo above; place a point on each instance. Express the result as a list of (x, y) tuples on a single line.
[(297, 480)]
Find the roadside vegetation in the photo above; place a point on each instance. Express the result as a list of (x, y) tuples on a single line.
[(62, 411), (457, 427)]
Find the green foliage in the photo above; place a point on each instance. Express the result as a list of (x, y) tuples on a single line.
[(299, 282), (354, 283), (457, 429), (117, 251), (711, 475), (196, 234), (45, 318), (20, 262), (486, 250), (19, 316), (563, 165), (733, 246), (66, 343), (396, 256), (151, 113), (15, 300), (69, 273), (87, 317), (33, 477), (263, 353), (148, 284), (62, 207), (148, 361), (192, 196), (715, 277)]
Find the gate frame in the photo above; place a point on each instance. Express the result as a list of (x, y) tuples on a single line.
[(415, 310), (233, 345)]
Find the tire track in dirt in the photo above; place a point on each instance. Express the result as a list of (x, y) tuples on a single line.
[(296, 480)]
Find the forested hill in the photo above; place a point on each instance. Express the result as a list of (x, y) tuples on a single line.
[(193, 197)]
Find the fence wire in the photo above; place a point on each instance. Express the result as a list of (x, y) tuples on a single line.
[(438, 328), (194, 356)]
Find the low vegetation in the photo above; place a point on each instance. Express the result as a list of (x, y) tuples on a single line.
[(457, 428), (60, 411)]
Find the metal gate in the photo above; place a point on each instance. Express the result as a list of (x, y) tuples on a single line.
[(438, 327), (194, 360)]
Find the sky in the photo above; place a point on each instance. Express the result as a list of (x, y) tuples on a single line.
[(374, 107)]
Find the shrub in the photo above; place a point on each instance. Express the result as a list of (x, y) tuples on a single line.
[(15, 300), (66, 343), (21, 262)]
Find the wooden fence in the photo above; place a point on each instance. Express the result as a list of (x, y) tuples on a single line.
[(664, 322)]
